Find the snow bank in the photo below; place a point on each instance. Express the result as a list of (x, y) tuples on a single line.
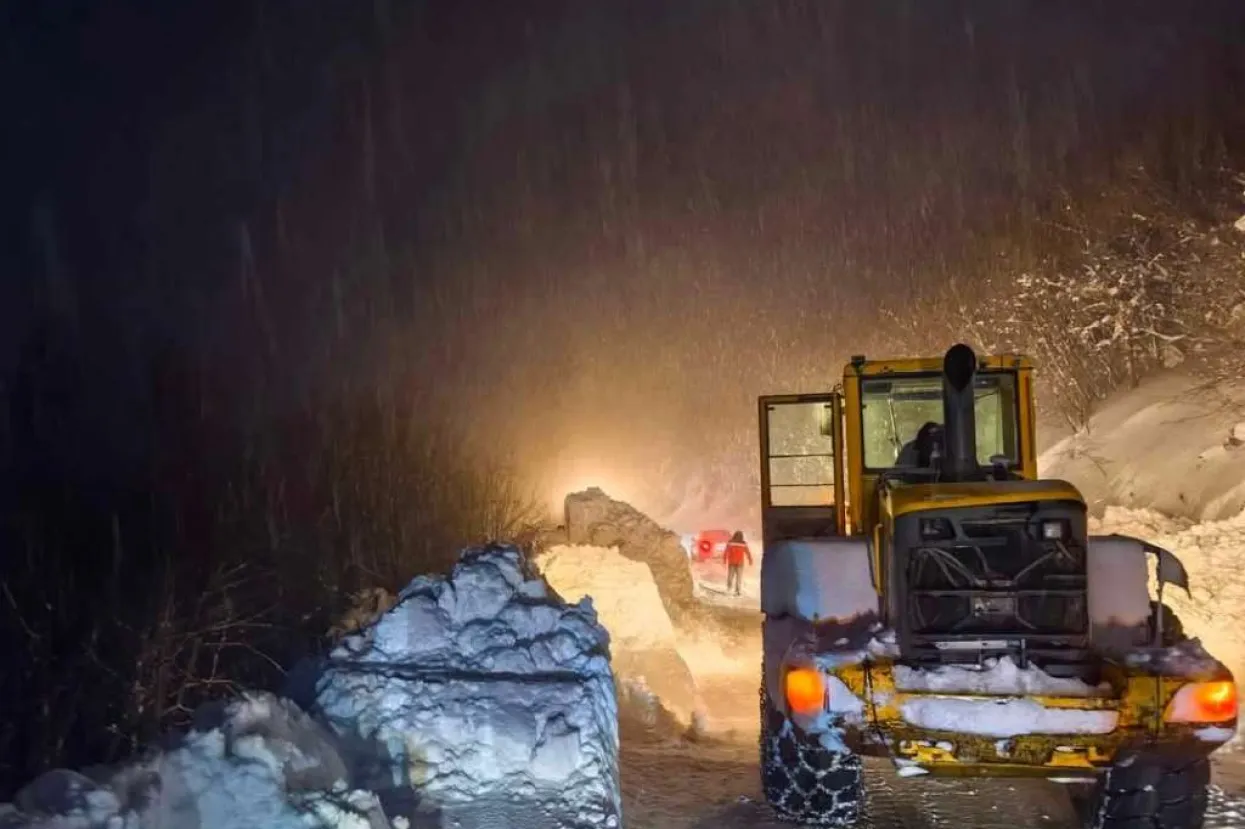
[(996, 676), (1004, 718), (261, 763), (1171, 445), (481, 688), (643, 642)]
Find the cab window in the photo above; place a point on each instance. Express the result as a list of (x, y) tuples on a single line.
[(894, 408)]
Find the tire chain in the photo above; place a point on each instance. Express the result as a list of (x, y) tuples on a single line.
[(804, 782)]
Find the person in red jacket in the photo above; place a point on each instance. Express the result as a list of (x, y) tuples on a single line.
[(736, 553)]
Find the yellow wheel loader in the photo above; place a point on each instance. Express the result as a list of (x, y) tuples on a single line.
[(929, 599)]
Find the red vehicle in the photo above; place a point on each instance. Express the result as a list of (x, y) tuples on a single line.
[(706, 553)]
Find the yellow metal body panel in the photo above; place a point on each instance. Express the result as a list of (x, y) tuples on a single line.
[(906, 498), (1137, 700)]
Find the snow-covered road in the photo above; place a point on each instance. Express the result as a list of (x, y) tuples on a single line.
[(684, 786)]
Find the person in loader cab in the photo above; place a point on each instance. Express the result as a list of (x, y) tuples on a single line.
[(919, 451), (736, 553)]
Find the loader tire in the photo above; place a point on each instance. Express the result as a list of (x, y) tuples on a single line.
[(1152, 792), (804, 782)]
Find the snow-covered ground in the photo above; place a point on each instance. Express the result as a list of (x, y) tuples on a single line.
[(478, 700), (1175, 444), (710, 575)]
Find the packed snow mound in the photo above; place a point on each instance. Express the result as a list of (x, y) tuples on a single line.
[(651, 673), (594, 519), (481, 688), (1175, 444), (623, 593), (256, 762)]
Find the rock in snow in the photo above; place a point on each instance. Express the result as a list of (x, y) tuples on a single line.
[(480, 700)]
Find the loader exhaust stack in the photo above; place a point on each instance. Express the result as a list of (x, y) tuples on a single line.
[(959, 367)]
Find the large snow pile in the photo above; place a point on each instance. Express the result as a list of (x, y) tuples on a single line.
[(643, 642), (258, 762), (1175, 444), (622, 591), (594, 519), (479, 701), (481, 689)]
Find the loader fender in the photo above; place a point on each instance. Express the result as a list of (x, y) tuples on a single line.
[(818, 579), (817, 595), (1120, 607)]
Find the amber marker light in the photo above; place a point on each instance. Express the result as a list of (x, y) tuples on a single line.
[(1204, 702), (805, 690)]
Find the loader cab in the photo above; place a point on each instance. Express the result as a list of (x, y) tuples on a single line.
[(887, 404), (823, 455)]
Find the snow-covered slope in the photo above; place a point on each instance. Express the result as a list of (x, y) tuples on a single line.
[(479, 700), (1166, 462), (1175, 444)]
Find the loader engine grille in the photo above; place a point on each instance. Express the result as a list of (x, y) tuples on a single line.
[(989, 580)]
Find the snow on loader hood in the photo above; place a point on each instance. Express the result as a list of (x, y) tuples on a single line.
[(478, 700)]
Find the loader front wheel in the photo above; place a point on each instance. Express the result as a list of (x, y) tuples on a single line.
[(803, 781), (1152, 792)]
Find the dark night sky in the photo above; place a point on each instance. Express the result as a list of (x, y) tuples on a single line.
[(598, 229)]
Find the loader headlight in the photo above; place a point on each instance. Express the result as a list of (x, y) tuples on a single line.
[(1203, 702), (1054, 530)]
